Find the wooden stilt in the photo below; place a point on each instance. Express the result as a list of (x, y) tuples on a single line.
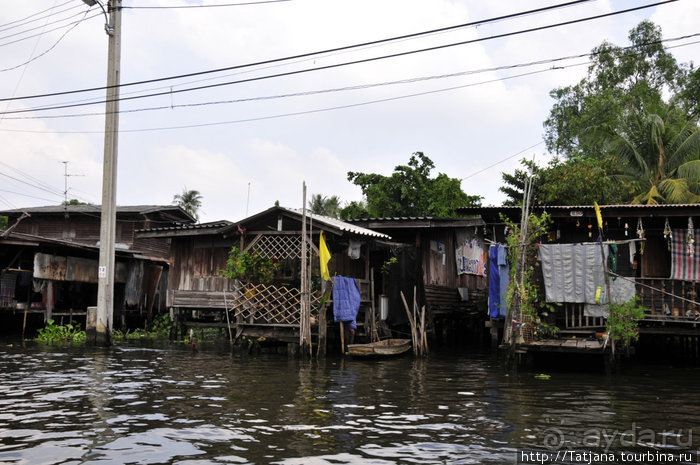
[(424, 335), (342, 338), (411, 323)]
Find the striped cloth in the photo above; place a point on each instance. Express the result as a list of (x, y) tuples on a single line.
[(683, 266)]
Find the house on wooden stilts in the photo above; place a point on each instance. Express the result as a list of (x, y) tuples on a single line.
[(652, 252), (201, 296), (444, 260), (48, 263)]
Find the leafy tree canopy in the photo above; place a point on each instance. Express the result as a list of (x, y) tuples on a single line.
[(409, 191), (659, 159), (621, 82), (576, 181)]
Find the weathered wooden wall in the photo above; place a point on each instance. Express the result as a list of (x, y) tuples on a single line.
[(195, 263), (85, 229), (440, 268)]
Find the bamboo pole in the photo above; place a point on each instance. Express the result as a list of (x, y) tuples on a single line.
[(228, 321), (304, 329), (342, 338), (373, 323), (424, 336), (411, 323)]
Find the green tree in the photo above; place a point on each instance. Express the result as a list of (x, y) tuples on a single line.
[(576, 181), (353, 210), (326, 206), (659, 158), (621, 81), (410, 191), (190, 201), (74, 202)]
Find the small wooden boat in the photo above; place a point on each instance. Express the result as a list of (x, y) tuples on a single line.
[(385, 348)]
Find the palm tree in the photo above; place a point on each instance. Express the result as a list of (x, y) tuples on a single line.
[(327, 206), (660, 158), (190, 201)]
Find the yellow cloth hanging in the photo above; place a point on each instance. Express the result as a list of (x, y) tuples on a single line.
[(324, 256)]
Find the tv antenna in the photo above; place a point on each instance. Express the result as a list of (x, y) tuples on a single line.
[(66, 175)]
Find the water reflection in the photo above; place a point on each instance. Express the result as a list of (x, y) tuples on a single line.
[(168, 405)]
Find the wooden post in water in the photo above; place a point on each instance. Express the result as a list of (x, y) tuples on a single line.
[(304, 304), (411, 322)]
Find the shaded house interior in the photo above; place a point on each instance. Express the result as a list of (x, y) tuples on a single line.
[(427, 251)]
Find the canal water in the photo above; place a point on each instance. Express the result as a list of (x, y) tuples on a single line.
[(171, 404)]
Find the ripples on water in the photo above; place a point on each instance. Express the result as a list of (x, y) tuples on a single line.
[(142, 405)]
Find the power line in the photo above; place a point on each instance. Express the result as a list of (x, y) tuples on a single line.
[(26, 195), (40, 18), (502, 161), (338, 65), (50, 30), (35, 14), (201, 6), (29, 184), (298, 113), (365, 86), (45, 186), (48, 49), (310, 54), (14, 34)]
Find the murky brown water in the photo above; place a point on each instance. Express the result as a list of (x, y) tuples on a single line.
[(170, 405)]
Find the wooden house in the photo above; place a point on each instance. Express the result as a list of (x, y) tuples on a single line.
[(198, 293), (48, 261), (656, 251), (453, 292)]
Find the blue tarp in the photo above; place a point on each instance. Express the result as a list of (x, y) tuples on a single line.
[(346, 300)]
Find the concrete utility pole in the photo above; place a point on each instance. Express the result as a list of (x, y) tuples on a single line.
[(105, 283)]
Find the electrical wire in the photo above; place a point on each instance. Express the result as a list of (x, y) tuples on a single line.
[(43, 17), (26, 195), (14, 34), (50, 30), (502, 161), (298, 113), (359, 86), (201, 6), (35, 14), (29, 184), (321, 52), (65, 33), (261, 68), (45, 186)]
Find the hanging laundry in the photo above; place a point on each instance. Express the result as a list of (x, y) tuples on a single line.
[(354, 249), (346, 300), (621, 290), (498, 281), (572, 272), (685, 266)]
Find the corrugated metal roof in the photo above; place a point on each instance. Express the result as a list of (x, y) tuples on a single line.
[(339, 224), (190, 227), (581, 207), (97, 210)]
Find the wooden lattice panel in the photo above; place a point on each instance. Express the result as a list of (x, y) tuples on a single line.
[(270, 305), (279, 246)]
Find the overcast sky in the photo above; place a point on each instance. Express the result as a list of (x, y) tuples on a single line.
[(474, 124)]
